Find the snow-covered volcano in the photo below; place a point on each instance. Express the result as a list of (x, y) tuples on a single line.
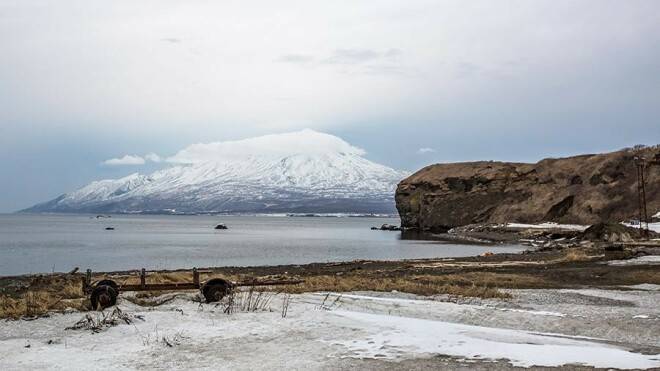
[(303, 171)]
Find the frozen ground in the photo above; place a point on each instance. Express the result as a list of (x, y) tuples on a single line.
[(652, 226), (548, 225), (365, 330), (575, 227), (642, 260)]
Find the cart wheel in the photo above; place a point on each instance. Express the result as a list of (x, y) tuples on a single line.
[(215, 290), (110, 283), (103, 296)]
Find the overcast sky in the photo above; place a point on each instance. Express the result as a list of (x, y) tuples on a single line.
[(410, 82)]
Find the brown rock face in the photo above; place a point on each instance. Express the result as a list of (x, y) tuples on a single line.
[(584, 189)]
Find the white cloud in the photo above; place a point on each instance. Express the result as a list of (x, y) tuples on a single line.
[(425, 150), (355, 56), (274, 145), (133, 160), (126, 160), (296, 58), (382, 59), (152, 157)]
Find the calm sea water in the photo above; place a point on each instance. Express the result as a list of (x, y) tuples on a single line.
[(45, 243)]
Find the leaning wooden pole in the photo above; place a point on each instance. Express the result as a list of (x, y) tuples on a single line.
[(641, 197)]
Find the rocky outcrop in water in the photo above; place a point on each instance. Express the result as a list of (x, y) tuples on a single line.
[(585, 189)]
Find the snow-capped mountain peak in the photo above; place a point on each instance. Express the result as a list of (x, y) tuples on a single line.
[(274, 146), (304, 171)]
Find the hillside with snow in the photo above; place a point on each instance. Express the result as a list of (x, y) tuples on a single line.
[(305, 171)]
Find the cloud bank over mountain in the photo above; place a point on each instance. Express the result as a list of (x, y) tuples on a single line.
[(84, 82)]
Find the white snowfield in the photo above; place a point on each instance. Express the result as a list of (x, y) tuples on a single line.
[(286, 167), (348, 329)]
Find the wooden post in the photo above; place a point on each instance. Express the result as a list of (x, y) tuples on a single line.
[(87, 280), (195, 277), (640, 163), (143, 278)]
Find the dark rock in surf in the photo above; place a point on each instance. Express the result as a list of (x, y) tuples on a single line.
[(386, 227)]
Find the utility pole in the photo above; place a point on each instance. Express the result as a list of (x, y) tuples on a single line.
[(640, 163)]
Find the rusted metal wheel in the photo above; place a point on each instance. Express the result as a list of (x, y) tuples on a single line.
[(216, 289), (110, 283), (103, 296)]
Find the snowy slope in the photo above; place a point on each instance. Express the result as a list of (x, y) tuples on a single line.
[(305, 171), (378, 330)]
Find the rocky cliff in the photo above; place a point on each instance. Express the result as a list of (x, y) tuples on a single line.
[(583, 189)]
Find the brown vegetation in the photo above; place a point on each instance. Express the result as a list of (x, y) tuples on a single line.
[(578, 255), (37, 303), (482, 277), (420, 285), (584, 190)]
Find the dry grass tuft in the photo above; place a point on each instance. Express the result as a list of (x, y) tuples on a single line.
[(11, 307), (45, 293), (37, 303), (641, 276), (577, 255)]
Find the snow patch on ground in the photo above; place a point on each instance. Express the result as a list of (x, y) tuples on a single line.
[(373, 298), (652, 226), (400, 335), (548, 225), (536, 312), (644, 286), (648, 259)]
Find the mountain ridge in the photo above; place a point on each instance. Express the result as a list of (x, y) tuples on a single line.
[(290, 174)]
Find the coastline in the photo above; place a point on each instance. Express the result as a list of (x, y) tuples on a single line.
[(502, 311)]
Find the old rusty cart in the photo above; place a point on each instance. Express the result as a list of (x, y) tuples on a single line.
[(103, 293)]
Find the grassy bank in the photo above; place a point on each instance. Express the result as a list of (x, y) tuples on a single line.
[(479, 277)]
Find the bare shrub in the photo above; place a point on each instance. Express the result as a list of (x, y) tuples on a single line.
[(172, 341), (286, 300), (253, 300), (103, 320), (324, 304)]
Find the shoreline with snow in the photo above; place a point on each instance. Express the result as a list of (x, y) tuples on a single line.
[(570, 308)]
